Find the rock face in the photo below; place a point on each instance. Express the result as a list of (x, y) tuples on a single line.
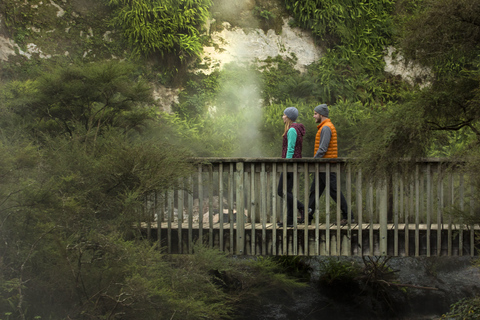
[(235, 45), (454, 277), (434, 283), (243, 43), (6, 48)]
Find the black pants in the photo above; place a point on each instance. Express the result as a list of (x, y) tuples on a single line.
[(322, 177), (300, 205)]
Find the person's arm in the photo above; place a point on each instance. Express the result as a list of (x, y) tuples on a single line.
[(325, 136), (292, 140)]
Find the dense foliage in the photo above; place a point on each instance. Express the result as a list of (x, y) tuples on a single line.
[(73, 177), (162, 26), (464, 309), (82, 100), (355, 35), (440, 115), (82, 144), (81, 148), (449, 34)]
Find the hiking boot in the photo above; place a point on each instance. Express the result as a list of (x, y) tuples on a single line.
[(344, 221), (310, 215)]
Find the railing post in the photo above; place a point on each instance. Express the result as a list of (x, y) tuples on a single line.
[(190, 215), (170, 219), (274, 209), (180, 202), (200, 203), (240, 205), (220, 206), (383, 220), (359, 217)]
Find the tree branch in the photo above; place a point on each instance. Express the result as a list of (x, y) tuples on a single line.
[(22, 267), (453, 127), (407, 285)]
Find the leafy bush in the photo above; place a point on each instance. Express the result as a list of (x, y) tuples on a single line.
[(337, 279), (162, 26), (372, 287), (69, 201), (63, 212), (464, 309), (282, 82), (355, 35), (82, 100), (332, 270), (71, 190), (295, 266)]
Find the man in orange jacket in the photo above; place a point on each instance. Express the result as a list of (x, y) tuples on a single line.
[(326, 147)]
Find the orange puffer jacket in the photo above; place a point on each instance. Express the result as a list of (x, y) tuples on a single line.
[(332, 150)]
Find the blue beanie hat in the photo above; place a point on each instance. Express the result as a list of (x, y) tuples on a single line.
[(291, 113), (322, 109)]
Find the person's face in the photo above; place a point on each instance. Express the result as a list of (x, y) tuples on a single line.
[(317, 117), (284, 117)]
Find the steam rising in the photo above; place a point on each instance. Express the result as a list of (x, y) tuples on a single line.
[(240, 90), (237, 113), (244, 103)]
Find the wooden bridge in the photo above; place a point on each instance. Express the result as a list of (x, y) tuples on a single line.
[(232, 204)]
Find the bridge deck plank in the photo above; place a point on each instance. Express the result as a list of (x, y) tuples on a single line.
[(270, 226)]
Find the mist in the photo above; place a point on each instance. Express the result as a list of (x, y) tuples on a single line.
[(238, 47)]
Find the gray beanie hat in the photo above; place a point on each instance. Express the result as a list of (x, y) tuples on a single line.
[(291, 113), (322, 109)]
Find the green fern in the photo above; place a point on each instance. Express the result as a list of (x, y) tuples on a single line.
[(162, 26)]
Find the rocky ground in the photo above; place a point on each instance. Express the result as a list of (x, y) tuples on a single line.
[(432, 285)]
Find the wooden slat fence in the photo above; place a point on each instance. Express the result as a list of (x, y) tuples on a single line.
[(232, 204)]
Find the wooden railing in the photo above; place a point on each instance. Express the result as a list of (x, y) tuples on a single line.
[(232, 204)]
